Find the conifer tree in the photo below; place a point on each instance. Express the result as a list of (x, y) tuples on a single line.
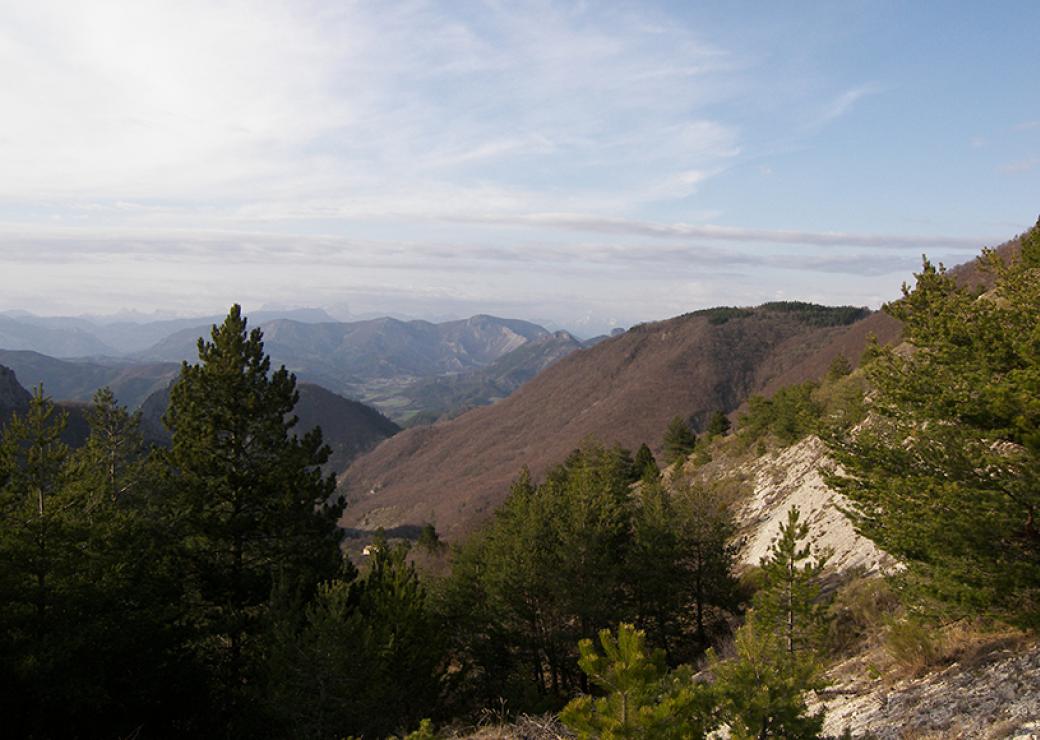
[(787, 604), (641, 699), (645, 463), (249, 498), (761, 693), (656, 569), (719, 424), (762, 688), (943, 473), (37, 528), (706, 533), (367, 659), (679, 440), (1030, 245), (86, 584), (840, 367)]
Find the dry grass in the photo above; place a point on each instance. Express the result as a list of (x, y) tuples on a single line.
[(1004, 728), (524, 727), (916, 649)]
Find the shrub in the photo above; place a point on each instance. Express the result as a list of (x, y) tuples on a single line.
[(859, 612), (913, 644)]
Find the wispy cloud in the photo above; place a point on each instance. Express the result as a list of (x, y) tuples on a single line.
[(580, 222), (195, 102), (1021, 166), (841, 104), (168, 153)]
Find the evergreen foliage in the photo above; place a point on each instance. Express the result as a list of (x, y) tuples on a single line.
[(645, 463), (761, 692), (840, 367), (249, 501), (641, 698), (789, 415), (1030, 245), (86, 584), (718, 424), (429, 540), (761, 689), (787, 606), (794, 412), (944, 475), (569, 557), (367, 658), (817, 315), (679, 440)]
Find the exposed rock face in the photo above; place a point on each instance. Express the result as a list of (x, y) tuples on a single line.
[(997, 697), (792, 477)]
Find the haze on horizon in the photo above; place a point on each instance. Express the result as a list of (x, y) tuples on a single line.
[(588, 164)]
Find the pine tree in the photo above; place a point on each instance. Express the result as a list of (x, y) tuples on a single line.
[(787, 604), (1030, 242), (655, 568), (641, 699), (706, 532), (249, 498), (761, 692), (840, 367), (943, 472), (719, 424), (131, 611), (367, 659), (762, 688), (86, 584), (38, 527), (679, 440), (645, 463)]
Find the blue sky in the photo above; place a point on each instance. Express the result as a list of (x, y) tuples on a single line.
[(586, 164)]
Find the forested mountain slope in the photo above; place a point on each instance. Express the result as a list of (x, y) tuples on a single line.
[(623, 390), (348, 427), (78, 380), (13, 397)]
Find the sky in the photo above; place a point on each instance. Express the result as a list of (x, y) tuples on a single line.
[(582, 164)]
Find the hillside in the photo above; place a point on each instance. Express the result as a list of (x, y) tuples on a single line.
[(414, 371), (13, 397), (448, 394), (623, 390), (348, 427), (78, 380)]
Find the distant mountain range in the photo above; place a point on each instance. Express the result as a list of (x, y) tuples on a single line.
[(410, 370), (78, 337)]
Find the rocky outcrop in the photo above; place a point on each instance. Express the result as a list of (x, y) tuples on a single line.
[(995, 695), (793, 477)]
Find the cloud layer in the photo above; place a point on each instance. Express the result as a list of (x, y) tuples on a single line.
[(631, 159)]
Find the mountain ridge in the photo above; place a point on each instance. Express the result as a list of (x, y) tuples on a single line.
[(455, 472)]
